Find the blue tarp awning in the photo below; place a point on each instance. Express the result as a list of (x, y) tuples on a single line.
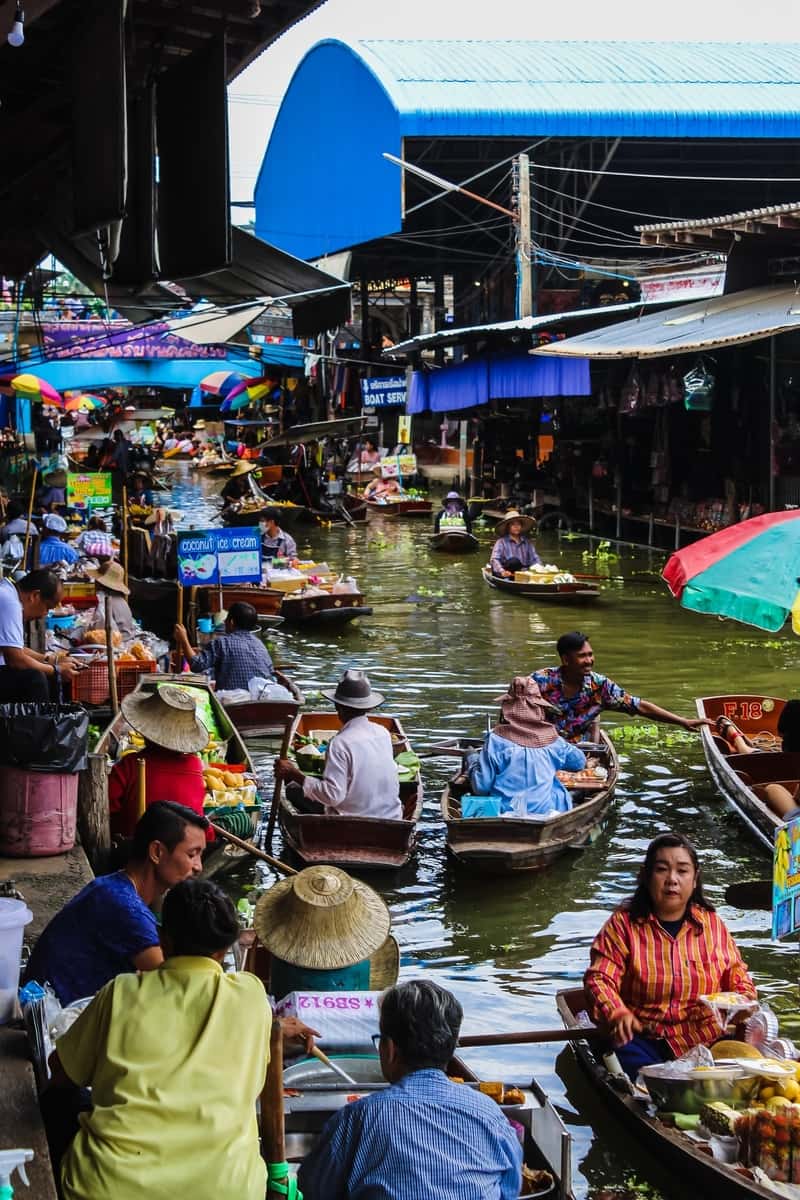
[(512, 377)]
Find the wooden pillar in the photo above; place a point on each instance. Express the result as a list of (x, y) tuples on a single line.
[(93, 826), (273, 1143), (438, 314), (413, 308)]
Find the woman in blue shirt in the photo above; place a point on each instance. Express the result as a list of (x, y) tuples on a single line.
[(522, 753), (51, 548)]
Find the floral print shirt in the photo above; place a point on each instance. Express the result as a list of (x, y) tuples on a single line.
[(578, 712)]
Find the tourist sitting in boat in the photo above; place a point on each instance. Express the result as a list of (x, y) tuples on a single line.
[(382, 489), (656, 955), (521, 755), (424, 1136), (234, 657), (176, 1059), (779, 799), (275, 542), (109, 927), (454, 514), (52, 549), (360, 777), (237, 485), (139, 491), (365, 455), (173, 737), (27, 674), (109, 582), (581, 694), (95, 541), (513, 551)]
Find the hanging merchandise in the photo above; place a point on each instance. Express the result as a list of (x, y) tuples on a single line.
[(630, 400), (698, 388)]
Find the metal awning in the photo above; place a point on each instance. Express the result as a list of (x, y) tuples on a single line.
[(317, 430), (776, 221), (720, 321)]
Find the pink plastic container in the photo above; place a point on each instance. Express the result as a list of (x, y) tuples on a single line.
[(37, 812)]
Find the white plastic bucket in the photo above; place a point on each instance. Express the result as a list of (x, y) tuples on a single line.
[(14, 916)]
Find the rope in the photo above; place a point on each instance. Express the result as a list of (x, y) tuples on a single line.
[(278, 1181)]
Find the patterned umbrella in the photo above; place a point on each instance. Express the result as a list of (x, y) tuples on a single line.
[(221, 383), (84, 400), (748, 572), (36, 389)]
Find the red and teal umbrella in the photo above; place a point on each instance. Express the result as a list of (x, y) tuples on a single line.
[(748, 572)]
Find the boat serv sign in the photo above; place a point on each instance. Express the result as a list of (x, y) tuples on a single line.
[(384, 393), (89, 491), (786, 880), (398, 465), (219, 556)]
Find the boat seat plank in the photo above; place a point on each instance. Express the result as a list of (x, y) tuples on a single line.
[(764, 766)]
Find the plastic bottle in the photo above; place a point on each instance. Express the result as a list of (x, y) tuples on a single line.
[(11, 1161)]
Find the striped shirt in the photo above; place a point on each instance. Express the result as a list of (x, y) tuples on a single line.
[(637, 965), (233, 659), (422, 1137)]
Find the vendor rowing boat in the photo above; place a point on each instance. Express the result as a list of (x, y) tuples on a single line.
[(454, 541), (560, 586), (408, 507)]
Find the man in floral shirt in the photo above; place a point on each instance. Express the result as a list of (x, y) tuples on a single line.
[(581, 694)]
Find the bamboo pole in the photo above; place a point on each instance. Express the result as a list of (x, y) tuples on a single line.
[(30, 516), (179, 619), (273, 1136), (276, 794), (112, 674), (141, 790), (251, 849), (125, 530)]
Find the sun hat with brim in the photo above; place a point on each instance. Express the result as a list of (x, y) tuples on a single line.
[(321, 919), (243, 468), (109, 576), (526, 715), (354, 691), (453, 496), (168, 718), (55, 523), (384, 965), (527, 523)]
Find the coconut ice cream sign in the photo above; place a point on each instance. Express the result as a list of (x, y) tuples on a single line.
[(210, 557)]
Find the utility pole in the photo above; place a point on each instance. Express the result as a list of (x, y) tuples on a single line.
[(522, 195)]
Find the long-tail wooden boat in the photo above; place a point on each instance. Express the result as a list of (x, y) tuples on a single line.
[(675, 1151), (266, 718), (454, 541), (399, 508), (330, 609), (366, 843), (741, 778), (508, 844), (581, 591)]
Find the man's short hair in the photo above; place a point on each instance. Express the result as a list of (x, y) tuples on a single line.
[(243, 616), (423, 1020), (166, 822), (271, 514), (199, 918), (43, 581), (570, 643)]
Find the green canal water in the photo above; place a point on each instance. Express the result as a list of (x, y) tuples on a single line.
[(506, 946)]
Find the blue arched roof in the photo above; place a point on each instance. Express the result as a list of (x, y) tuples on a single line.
[(324, 186)]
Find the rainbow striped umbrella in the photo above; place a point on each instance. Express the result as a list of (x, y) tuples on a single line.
[(36, 389), (84, 400), (255, 389), (748, 572), (221, 383)]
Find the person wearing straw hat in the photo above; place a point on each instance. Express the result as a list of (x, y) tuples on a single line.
[(325, 931), (52, 549), (454, 514), (522, 753), (238, 484), (360, 777), (513, 551), (423, 1136), (173, 737), (109, 581)]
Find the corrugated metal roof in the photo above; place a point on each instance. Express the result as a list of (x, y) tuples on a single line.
[(771, 215), (642, 88), (721, 321)]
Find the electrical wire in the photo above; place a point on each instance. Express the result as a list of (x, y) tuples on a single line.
[(678, 178)]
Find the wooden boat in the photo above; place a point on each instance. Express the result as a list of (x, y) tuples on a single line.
[(366, 843), (399, 508), (582, 591), (454, 541), (330, 609), (508, 844), (741, 778), (675, 1152), (266, 718)]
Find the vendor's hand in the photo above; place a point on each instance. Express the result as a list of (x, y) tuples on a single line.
[(623, 1026), (286, 770), (293, 1030), (68, 668), (179, 632)]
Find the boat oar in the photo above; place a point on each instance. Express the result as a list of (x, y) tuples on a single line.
[(251, 849), (276, 794), (524, 1036), (753, 893), (273, 1130), (323, 1058)]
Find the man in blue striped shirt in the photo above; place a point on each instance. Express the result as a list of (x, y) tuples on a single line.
[(423, 1136)]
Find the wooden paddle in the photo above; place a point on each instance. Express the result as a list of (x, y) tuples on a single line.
[(24, 563), (276, 794), (753, 893), (273, 1134), (251, 849), (525, 1036), (337, 1070)]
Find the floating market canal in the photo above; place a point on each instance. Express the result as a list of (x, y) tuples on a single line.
[(442, 646)]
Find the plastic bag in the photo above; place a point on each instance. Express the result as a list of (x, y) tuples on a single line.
[(44, 737), (267, 689), (698, 388)]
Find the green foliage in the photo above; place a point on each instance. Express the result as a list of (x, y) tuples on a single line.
[(666, 735), (601, 554)]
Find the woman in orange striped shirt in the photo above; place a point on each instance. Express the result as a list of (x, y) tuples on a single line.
[(656, 955)]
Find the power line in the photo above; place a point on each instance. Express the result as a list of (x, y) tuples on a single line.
[(679, 178)]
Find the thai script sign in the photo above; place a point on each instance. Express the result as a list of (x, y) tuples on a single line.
[(384, 393), (89, 491), (92, 339)]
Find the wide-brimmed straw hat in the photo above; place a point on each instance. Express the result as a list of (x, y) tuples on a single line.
[(243, 468), (200, 424), (527, 523), (453, 496), (110, 576), (354, 691), (526, 716), (321, 919), (167, 717)]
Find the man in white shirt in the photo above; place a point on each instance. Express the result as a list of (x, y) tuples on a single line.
[(360, 778), (26, 674)]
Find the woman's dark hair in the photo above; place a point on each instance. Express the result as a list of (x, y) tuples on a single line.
[(640, 904), (199, 918), (163, 822), (570, 643), (423, 1020), (789, 726), (13, 510), (243, 616), (43, 581), (96, 523)]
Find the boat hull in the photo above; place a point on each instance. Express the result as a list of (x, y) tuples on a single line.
[(454, 541), (582, 591), (400, 508), (504, 845)]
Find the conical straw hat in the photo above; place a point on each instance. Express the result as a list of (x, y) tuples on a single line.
[(527, 523), (243, 468), (321, 919), (167, 717)]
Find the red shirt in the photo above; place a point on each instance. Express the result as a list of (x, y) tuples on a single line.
[(168, 776)]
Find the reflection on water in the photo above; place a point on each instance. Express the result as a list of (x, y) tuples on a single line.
[(505, 946)]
